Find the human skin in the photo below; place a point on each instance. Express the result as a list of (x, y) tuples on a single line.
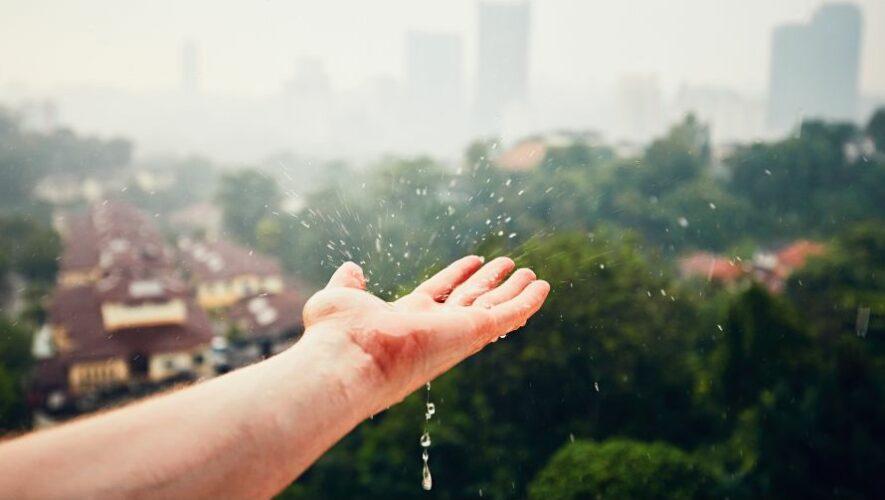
[(251, 432)]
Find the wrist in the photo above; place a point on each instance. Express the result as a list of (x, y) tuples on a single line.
[(344, 376)]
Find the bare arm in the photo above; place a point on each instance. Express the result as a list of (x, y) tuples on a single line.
[(251, 432)]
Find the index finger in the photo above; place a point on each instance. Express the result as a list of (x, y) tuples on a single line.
[(442, 283)]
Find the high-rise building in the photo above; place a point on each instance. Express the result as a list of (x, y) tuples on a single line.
[(190, 67), (502, 64), (814, 68)]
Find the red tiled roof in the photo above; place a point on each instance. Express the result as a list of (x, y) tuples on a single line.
[(797, 253), (710, 267), (222, 260)]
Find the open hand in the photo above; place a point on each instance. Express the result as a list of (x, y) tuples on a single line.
[(405, 343)]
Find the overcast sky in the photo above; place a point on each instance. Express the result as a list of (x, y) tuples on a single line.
[(248, 46)]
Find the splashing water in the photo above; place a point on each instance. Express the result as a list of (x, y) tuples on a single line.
[(429, 411)]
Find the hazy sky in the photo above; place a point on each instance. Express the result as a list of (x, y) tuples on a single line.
[(249, 47)]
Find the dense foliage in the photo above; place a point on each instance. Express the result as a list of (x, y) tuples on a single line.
[(631, 382)]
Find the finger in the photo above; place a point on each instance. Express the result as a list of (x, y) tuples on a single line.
[(513, 313), (509, 289), (349, 275), (481, 282), (441, 284)]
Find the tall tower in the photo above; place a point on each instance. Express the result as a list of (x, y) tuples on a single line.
[(814, 68), (190, 67), (502, 72)]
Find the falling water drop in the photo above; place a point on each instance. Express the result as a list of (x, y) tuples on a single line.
[(426, 478), (430, 409)]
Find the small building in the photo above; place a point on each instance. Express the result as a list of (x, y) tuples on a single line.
[(121, 319), (224, 273)]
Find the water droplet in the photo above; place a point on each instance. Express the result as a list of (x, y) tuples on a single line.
[(683, 222), (720, 328), (425, 440), (426, 478), (431, 409), (596, 386)]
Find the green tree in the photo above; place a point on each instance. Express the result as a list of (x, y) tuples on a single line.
[(246, 197), (15, 360), (843, 291), (676, 158), (876, 129), (622, 469)]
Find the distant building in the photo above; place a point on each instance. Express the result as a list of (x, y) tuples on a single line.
[(814, 68), (224, 273), (711, 268), (120, 316), (267, 322), (530, 152), (502, 71), (771, 269)]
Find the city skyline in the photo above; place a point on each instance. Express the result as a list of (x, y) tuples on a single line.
[(449, 86)]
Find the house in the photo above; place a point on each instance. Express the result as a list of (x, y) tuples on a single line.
[(120, 317), (711, 268), (224, 273)]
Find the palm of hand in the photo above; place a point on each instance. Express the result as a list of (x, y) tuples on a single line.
[(445, 319)]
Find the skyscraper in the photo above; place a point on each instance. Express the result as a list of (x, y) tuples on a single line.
[(502, 71), (814, 68)]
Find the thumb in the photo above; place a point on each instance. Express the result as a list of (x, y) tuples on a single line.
[(349, 275)]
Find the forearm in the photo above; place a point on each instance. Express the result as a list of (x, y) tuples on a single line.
[(248, 433)]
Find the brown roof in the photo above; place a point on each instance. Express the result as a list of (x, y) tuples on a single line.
[(115, 236), (78, 311), (268, 315), (80, 243), (222, 260)]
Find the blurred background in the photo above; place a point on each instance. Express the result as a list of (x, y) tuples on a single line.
[(701, 182)]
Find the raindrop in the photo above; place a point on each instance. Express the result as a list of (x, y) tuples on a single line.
[(426, 478), (425, 440)]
